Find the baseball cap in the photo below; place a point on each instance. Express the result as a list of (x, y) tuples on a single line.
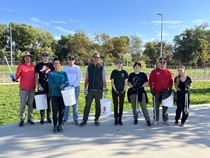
[(45, 53), (162, 58), (118, 61), (71, 57)]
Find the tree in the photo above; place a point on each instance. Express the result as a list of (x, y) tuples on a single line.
[(192, 46), (135, 47)]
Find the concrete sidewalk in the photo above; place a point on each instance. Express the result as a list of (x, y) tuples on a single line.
[(107, 140)]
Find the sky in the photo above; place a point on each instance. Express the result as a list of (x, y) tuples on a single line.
[(113, 17)]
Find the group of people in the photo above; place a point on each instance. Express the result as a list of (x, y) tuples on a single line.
[(51, 80)]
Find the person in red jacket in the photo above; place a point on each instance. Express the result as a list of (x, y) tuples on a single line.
[(26, 73), (160, 79)]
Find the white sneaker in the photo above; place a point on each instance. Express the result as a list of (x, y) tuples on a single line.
[(155, 123), (166, 123)]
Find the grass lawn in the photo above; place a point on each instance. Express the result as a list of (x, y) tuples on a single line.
[(9, 100)]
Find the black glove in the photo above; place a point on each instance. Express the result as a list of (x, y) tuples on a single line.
[(117, 92), (152, 92), (14, 80), (135, 88)]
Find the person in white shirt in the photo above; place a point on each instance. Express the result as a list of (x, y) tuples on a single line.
[(74, 76)]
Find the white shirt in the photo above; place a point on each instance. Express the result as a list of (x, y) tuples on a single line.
[(74, 75)]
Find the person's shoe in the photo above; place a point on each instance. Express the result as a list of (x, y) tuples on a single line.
[(42, 122), (64, 122), (115, 121), (30, 122), (135, 122), (120, 123), (155, 123), (21, 123), (59, 128), (176, 122), (55, 129), (49, 120), (166, 123), (82, 123), (182, 123), (148, 123), (76, 122), (97, 123)]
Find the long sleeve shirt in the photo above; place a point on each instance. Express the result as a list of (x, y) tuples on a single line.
[(74, 75), (160, 79), (26, 74), (55, 79)]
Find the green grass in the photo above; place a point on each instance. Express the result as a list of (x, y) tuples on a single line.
[(9, 100)]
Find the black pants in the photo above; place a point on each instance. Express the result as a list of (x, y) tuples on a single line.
[(49, 109), (89, 98), (58, 109), (118, 103), (180, 107)]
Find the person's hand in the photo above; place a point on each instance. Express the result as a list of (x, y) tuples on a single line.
[(105, 92), (12, 76), (61, 87), (152, 92), (117, 92), (40, 88), (135, 88), (85, 91), (122, 92)]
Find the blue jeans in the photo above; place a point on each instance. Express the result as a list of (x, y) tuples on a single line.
[(75, 106)]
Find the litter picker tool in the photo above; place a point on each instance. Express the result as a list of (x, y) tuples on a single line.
[(5, 56)]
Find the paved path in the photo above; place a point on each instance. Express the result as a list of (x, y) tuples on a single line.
[(107, 140)]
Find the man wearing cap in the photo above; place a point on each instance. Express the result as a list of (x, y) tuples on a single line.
[(160, 79), (119, 78), (25, 72), (42, 70), (95, 81), (74, 76)]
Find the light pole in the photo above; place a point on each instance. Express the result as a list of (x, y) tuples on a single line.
[(161, 41)]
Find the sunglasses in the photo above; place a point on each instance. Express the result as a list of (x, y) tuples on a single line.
[(45, 55), (162, 62)]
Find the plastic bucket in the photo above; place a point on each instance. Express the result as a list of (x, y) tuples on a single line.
[(169, 102), (69, 96), (106, 106), (41, 101)]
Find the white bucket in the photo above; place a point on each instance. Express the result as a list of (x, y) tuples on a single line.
[(169, 102), (106, 106), (69, 96), (41, 101)]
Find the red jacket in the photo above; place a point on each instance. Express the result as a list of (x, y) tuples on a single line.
[(26, 74), (160, 79)]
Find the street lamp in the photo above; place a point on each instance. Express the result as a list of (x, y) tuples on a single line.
[(161, 42)]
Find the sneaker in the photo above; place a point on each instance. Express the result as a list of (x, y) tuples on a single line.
[(55, 129), (155, 123), (166, 123), (63, 122), (59, 128), (135, 122), (42, 122), (21, 123), (49, 120), (82, 123), (30, 122), (97, 123), (76, 122), (182, 124), (148, 123), (176, 122)]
